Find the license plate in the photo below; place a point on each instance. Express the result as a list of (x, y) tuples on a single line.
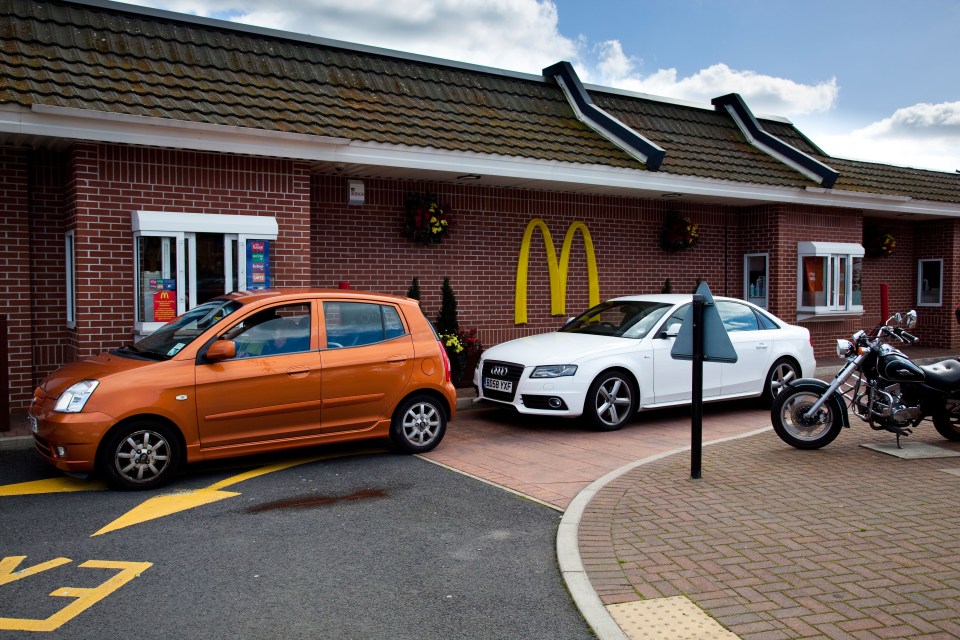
[(33, 423), (498, 385)]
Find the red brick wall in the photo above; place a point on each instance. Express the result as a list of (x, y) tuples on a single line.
[(363, 245), (54, 344), (15, 258), (938, 239), (323, 241), (109, 182)]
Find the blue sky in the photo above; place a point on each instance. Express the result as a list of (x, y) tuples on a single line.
[(873, 80)]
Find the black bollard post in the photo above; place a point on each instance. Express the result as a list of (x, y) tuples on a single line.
[(696, 408)]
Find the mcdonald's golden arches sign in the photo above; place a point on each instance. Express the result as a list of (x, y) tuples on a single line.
[(558, 272)]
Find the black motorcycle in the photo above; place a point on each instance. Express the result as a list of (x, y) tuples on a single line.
[(879, 384)]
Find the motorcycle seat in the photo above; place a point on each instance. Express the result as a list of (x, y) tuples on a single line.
[(943, 375)]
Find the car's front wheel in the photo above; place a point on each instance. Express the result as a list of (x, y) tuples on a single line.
[(139, 455), (418, 424), (611, 401)]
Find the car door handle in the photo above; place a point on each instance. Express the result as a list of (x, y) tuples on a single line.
[(298, 372), (396, 360), (761, 345)]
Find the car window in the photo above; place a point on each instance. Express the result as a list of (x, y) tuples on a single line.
[(737, 317), (676, 318), (354, 324), (274, 331), (169, 339), (620, 318), (766, 322), (392, 325)]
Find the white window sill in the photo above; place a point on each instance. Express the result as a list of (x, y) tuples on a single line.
[(825, 316)]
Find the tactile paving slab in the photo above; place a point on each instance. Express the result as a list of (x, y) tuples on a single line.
[(677, 618)]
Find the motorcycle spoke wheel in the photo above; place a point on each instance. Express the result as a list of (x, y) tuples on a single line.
[(795, 428)]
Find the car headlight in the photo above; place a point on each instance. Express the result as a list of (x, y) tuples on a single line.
[(554, 371), (73, 399)]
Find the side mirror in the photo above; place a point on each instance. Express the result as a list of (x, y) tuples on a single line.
[(911, 319), (221, 350), (670, 332), (895, 320)]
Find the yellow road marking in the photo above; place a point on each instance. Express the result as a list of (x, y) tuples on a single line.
[(85, 597), (161, 506), (8, 564), (51, 485)]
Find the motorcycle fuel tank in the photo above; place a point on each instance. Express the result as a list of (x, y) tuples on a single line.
[(897, 368)]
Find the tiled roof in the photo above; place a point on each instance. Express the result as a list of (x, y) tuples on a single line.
[(106, 58)]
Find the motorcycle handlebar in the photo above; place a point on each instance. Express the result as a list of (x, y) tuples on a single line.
[(906, 337)]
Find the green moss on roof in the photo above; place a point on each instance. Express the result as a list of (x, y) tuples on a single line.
[(80, 56)]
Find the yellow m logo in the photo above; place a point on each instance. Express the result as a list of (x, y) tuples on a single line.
[(558, 274)]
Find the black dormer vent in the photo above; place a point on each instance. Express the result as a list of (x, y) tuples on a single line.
[(771, 145)]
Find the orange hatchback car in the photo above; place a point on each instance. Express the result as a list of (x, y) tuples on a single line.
[(248, 373)]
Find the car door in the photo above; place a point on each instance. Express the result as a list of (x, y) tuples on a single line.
[(367, 363), (272, 388), (754, 347), (673, 379)]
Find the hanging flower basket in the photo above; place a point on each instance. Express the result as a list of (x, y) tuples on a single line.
[(879, 244), (426, 222), (678, 233)]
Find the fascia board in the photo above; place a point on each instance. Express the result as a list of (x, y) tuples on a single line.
[(171, 134)]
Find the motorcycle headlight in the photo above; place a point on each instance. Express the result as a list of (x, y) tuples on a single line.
[(554, 371), (73, 399), (844, 348)]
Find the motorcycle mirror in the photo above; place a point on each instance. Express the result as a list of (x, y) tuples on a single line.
[(911, 319), (894, 320)]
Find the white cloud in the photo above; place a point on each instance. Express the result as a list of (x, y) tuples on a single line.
[(764, 94), (940, 121), (924, 136), (520, 35)]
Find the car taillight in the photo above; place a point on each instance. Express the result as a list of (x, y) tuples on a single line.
[(446, 361)]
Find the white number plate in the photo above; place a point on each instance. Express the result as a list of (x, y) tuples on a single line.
[(498, 385), (33, 423)]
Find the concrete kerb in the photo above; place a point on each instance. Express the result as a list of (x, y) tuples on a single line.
[(568, 545), (16, 443)]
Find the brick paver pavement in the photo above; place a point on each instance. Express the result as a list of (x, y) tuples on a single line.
[(777, 543)]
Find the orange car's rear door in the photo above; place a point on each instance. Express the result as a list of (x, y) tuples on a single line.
[(363, 374)]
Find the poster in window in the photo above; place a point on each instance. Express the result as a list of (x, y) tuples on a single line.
[(164, 305), (814, 289), (258, 264)]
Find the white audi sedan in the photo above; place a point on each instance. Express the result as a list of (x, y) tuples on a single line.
[(614, 360)]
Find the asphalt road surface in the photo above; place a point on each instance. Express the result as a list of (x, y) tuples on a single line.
[(375, 545)]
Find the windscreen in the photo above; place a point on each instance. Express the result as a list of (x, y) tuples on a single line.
[(619, 318), (166, 341)]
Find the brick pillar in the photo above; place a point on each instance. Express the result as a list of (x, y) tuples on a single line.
[(15, 258)]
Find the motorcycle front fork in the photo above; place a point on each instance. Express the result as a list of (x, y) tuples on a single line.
[(838, 381)]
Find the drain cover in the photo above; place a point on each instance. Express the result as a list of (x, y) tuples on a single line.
[(677, 618)]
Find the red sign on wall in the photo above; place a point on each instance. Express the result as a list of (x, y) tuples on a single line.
[(164, 306)]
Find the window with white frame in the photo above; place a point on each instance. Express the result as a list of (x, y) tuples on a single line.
[(756, 278), (71, 279), (930, 283), (185, 259), (829, 279)]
